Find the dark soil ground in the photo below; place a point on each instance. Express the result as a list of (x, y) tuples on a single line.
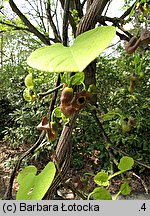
[(9, 154)]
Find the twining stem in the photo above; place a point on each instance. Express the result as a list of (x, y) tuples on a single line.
[(50, 91)]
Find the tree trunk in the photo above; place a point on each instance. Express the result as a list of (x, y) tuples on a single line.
[(64, 146)]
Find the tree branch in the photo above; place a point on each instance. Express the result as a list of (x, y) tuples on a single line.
[(57, 18), (122, 36), (106, 138), (71, 20), (49, 16), (89, 20), (14, 26), (128, 11), (18, 28), (41, 36), (117, 22), (41, 17), (65, 22), (43, 94), (53, 100), (8, 193)]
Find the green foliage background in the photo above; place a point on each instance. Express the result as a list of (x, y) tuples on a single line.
[(113, 82)]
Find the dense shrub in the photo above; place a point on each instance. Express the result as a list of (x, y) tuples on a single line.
[(114, 99)]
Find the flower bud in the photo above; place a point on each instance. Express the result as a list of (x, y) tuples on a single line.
[(66, 96), (51, 135), (50, 128), (53, 126)]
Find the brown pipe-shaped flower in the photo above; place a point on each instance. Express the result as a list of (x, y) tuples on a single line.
[(50, 128), (70, 104), (66, 96), (65, 102), (134, 43), (132, 79)]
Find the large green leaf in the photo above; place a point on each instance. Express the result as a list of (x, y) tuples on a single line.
[(22, 174), (26, 187), (86, 47), (34, 187), (43, 181)]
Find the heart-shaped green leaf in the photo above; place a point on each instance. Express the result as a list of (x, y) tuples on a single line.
[(126, 163), (22, 174), (125, 189), (26, 187), (77, 79), (86, 47), (100, 193), (34, 187), (101, 179)]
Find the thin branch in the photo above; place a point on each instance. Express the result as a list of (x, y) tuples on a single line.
[(8, 193), (53, 100), (108, 6), (43, 94), (65, 22), (78, 6), (128, 11), (136, 161), (117, 23), (33, 8), (122, 36), (34, 30), (112, 45), (41, 17), (71, 19), (1, 51), (51, 22), (14, 26), (56, 14), (105, 137)]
